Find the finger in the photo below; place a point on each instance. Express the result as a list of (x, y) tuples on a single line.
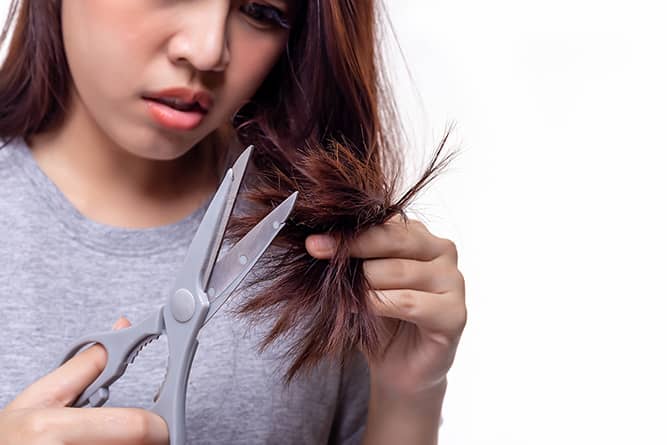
[(122, 323), (62, 386), (106, 426), (323, 246), (437, 313), (438, 275), (394, 239)]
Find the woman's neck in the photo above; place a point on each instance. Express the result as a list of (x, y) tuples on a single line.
[(109, 185)]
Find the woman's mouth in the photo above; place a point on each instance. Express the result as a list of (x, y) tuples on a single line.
[(175, 114)]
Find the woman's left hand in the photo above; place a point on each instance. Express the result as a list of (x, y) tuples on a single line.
[(416, 277)]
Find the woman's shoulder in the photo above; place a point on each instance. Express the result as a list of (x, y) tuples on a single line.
[(8, 152), (15, 183)]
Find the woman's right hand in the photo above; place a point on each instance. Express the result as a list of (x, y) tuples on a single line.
[(39, 415)]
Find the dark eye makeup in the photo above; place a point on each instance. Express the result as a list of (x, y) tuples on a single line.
[(265, 15)]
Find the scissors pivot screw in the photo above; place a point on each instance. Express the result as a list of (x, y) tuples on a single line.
[(182, 305)]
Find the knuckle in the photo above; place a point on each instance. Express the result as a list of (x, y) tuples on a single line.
[(462, 283), (461, 318), (140, 424), (38, 428), (418, 224), (407, 302), (57, 398), (458, 317), (35, 424), (448, 247)]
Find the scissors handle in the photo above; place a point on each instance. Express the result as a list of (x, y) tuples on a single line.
[(121, 346), (182, 342)]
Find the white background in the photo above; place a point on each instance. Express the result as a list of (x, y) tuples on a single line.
[(556, 205)]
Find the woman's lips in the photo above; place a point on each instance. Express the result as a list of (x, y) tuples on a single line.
[(172, 118)]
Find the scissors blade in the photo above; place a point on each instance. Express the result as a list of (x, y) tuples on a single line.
[(230, 270), (238, 171)]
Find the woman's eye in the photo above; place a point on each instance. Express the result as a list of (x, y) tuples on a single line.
[(267, 16)]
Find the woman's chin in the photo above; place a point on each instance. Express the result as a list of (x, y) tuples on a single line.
[(161, 147)]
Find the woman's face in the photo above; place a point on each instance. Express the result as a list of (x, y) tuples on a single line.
[(120, 51)]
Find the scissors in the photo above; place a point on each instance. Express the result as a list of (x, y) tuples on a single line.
[(203, 285)]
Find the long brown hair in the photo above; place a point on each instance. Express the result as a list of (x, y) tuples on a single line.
[(323, 122)]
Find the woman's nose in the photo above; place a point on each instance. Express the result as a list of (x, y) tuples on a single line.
[(201, 40)]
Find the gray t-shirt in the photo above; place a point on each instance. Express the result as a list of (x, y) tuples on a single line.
[(63, 276)]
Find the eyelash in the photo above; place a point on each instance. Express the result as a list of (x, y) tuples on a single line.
[(266, 15)]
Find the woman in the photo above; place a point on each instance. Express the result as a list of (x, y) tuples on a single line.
[(104, 181)]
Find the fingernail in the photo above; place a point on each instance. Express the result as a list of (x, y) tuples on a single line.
[(324, 243)]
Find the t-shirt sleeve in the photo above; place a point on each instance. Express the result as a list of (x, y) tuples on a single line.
[(350, 419)]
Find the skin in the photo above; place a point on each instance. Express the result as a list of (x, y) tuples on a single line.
[(114, 163), (38, 415), (414, 277), (118, 167)]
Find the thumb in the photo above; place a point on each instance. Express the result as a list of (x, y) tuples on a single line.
[(62, 386)]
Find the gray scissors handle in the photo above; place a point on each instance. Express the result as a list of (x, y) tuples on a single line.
[(189, 304), (182, 343), (121, 346)]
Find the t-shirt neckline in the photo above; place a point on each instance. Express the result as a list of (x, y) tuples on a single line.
[(99, 236)]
